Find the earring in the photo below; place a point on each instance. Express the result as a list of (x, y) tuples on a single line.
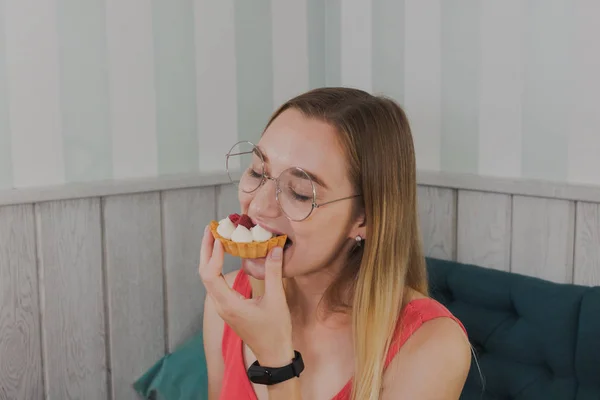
[(358, 240)]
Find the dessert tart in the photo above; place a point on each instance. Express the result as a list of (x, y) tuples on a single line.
[(242, 238)]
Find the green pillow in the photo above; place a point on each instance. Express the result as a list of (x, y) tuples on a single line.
[(180, 375)]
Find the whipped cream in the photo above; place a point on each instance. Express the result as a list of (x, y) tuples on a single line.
[(241, 234), (260, 234), (226, 228)]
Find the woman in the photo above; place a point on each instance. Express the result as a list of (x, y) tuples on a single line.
[(335, 171)]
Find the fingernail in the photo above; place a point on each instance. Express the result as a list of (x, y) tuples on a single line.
[(206, 229), (276, 253)]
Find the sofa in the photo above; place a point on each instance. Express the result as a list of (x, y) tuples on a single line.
[(531, 339)]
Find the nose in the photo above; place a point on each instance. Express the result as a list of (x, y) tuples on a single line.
[(264, 204)]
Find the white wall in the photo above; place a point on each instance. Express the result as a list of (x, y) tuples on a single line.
[(130, 88)]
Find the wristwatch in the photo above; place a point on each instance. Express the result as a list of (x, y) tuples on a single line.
[(270, 376)]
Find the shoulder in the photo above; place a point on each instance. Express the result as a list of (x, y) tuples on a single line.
[(435, 359), (213, 328)]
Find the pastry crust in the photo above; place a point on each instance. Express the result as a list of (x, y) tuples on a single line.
[(247, 250)]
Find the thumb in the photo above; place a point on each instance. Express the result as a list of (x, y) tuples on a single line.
[(274, 272)]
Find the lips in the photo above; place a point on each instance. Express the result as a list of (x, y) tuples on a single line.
[(266, 227), (275, 232)]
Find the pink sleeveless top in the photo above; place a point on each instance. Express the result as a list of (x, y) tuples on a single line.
[(236, 384)]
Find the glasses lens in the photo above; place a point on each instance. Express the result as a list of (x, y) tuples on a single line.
[(245, 166), (296, 194)]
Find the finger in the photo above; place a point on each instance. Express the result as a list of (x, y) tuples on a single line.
[(206, 247), (229, 303), (274, 273), (211, 265), (214, 281), (218, 251)]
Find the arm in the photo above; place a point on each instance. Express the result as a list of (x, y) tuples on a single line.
[(248, 317), (213, 335), (288, 390), (432, 364)]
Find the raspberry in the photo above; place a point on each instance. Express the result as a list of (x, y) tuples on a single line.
[(245, 221), (234, 218)]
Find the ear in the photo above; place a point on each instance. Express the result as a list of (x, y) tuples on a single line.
[(359, 227)]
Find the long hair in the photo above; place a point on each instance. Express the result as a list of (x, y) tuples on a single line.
[(377, 141)]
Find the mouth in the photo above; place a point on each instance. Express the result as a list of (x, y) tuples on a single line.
[(288, 242)]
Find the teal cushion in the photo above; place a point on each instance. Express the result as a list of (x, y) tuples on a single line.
[(180, 375), (587, 357), (533, 339)]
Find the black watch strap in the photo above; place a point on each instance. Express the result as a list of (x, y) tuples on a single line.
[(270, 376)]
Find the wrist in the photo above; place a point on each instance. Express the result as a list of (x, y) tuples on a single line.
[(279, 356), (277, 370)]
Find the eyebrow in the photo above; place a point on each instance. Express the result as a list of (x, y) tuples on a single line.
[(299, 174), (312, 176)]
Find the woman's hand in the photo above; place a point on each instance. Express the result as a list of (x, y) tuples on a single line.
[(264, 323)]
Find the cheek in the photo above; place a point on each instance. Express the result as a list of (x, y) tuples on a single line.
[(320, 240), (315, 252), (326, 226)]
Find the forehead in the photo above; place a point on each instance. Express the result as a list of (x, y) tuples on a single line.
[(293, 140)]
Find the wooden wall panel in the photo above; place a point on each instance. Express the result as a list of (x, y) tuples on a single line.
[(483, 229), (141, 260), (20, 343), (185, 214), (437, 213), (227, 203), (587, 245), (542, 238), (70, 257), (132, 231)]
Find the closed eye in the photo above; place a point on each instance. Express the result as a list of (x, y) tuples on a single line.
[(299, 197), (254, 174)]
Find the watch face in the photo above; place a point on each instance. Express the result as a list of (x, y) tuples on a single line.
[(259, 375)]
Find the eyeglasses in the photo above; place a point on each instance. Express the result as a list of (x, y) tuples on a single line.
[(295, 190)]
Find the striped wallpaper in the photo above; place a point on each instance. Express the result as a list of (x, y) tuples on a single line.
[(112, 89)]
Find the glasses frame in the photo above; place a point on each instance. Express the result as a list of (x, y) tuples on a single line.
[(265, 177)]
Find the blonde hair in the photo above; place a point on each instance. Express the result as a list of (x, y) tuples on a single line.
[(376, 137)]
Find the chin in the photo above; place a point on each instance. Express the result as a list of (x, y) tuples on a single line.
[(255, 267)]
